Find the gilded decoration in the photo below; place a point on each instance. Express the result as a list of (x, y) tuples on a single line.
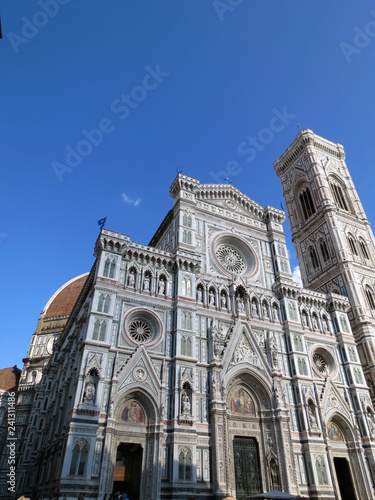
[(242, 403), (133, 413), (334, 433)]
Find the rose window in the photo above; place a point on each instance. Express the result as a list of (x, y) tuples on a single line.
[(319, 362), (230, 259), (139, 330)]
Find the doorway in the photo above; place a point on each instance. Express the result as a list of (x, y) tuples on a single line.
[(344, 478), (246, 467), (128, 470)]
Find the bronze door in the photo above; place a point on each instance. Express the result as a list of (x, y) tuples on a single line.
[(246, 467)]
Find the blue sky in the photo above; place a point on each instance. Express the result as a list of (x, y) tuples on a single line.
[(141, 88)]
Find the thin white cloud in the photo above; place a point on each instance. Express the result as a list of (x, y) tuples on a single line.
[(132, 201), (297, 276)]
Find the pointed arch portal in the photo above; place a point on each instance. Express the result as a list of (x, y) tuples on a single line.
[(128, 470), (246, 467)]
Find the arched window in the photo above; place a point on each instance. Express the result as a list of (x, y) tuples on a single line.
[(181, 466), (112, 269), (186, 287), (324, 251), (79, 458), (186, 220), (107, 300), (185, 466), (370, 298), (188, 346), (106, 267), (314, 258), (95, 334), (103, 328), (100, 303), (339, 196), (183, 346), (352, 245), (186, 237), (363, 249), (186, 320), (307, 204)]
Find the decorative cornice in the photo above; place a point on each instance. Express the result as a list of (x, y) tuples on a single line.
[(304, 139)]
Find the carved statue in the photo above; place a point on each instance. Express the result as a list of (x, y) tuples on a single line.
[(161, 287), (275, 313), (89, 392), (240, 304), (223, 301), (199, 296), (146, 283), (186, 404), (315, 322), (265, 311), (212, 298), (254, 309), (312, 418)]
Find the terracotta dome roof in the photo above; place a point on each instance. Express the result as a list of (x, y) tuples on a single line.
[(63, 301), (9, 378)]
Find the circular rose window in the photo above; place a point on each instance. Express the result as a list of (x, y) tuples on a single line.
[(140, 330), (320, 363), (233, 255), (142, 326), (230, 259), (323, 362)]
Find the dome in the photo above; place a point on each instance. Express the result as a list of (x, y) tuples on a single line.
[(63, 301), (9, 378)]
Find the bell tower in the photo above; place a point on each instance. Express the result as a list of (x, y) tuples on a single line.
[(333, 239)]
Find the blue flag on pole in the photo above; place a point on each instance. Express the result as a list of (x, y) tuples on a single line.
[(101, 222)]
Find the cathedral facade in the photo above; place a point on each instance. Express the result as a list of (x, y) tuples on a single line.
[(195, 367)]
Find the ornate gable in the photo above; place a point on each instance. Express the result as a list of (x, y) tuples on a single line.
[(139, 370)]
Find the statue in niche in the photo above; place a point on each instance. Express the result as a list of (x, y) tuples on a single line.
[(274, 474), (199, 296), (212, 298), (89, 396), (304, 319), (213, 329), (315, 322), (275, 313), (161, 287), (325, 324), (240, 304), (312, 418), (131, 278), (186, 404), (223, 300), (146, 283), (265, 311), (254, 309)]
